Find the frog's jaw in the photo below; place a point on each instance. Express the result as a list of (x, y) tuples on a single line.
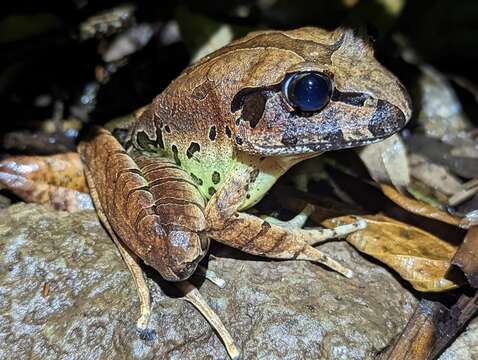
[(340, 125), (312, 149)]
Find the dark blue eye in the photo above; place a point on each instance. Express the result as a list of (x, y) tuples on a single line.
[(307, 91)]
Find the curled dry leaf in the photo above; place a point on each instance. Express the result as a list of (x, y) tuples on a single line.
[(420, 208), (387, 161), (418, 256), (56, 180)]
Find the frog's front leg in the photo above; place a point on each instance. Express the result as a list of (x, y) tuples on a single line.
[(256, 236)]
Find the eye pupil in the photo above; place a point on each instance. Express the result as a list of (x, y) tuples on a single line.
[(308, 91)]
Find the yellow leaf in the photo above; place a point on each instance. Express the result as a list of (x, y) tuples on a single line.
[(418, 256), (418, 207)]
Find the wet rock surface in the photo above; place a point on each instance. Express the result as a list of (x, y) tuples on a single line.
[(465, 347), (65, 293)]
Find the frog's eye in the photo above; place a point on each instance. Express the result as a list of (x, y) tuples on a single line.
[(309, 91)]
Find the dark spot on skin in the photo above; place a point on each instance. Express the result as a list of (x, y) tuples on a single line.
[(262, 158), (248, 196), (196, 179), (351, 98), (386, 119), (194, 147), (148, 334), (254, 175), (289, 139), (175, 155), (253, 108), (167, 129), (265, 226), (238, 140), (159, 138), (216, 177), (238, 120), (228, 132), (211, 191), (336, 137), (143, 141), (212, 133)]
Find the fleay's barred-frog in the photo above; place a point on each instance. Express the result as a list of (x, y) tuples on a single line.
[(218, 137)]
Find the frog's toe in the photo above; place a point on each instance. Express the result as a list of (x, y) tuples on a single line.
[(297, 222), (312, 254), (317, 235)]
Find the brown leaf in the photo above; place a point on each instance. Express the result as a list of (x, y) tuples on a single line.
[(63, 170), (416, 340), (418, 256), (418, 207), (55, 180), (431, 329), (466, 258)]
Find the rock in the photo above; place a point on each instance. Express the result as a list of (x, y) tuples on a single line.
[(4, 201), (465, 347), (65, 293)]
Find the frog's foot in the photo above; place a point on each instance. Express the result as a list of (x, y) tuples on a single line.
[(193, 296), (55, 180)]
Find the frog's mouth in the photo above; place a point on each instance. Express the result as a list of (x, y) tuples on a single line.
[(313, 147)]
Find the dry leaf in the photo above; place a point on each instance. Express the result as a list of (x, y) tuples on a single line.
[(418, 207), (436, 176), (56, 180), (387, 161), (466, 258), (440, 113), (418, 256), (431, 329)]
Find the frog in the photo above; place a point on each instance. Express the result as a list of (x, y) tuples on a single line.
[(211, 145)]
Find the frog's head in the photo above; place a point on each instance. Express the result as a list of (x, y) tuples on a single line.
[(310, 90)]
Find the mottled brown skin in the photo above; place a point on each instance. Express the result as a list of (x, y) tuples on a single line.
[(221, 134)]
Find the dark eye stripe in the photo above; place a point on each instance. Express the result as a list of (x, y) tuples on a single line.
[(351, 98)]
